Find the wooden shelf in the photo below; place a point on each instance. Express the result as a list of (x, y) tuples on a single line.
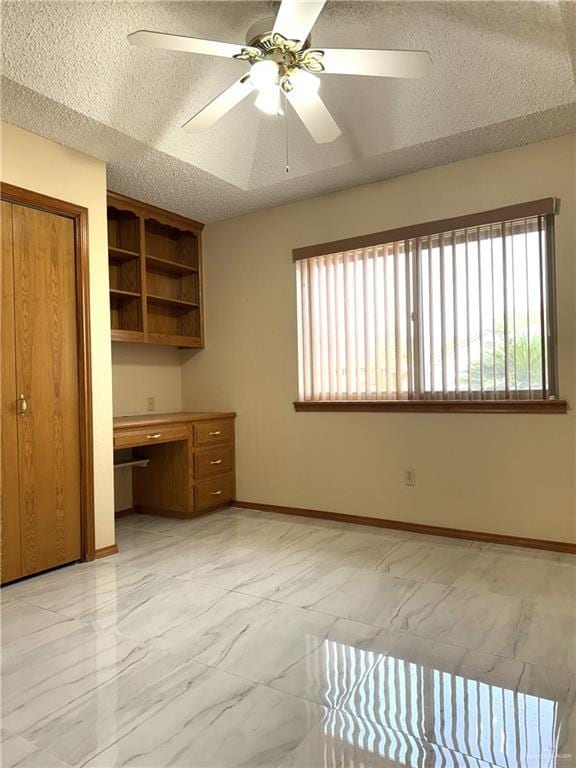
[(116, 293), (153, 256), (167, 302), (132, 336), (169, 267), (174, 340), (121, 254)]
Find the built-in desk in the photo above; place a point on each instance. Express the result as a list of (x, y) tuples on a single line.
[(185, 461)]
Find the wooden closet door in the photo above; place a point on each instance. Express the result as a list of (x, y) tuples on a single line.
[(9, 498), (47, 376)]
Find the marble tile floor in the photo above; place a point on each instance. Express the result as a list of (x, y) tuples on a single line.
[(245, 638)]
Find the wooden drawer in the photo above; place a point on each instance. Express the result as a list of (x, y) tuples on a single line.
[(209, 462), (212, 493), (130, 438), (214, 432)]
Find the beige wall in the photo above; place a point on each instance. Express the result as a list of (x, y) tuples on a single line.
[(141, 371), (497, 473), (34, 163), (506, 474)]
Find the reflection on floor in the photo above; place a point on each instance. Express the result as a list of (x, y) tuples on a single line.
[(251, 639), (462, 721)]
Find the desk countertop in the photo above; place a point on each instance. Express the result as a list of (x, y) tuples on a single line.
[(151, 419)]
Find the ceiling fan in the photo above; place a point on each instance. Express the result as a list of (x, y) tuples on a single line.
[(282, 62)]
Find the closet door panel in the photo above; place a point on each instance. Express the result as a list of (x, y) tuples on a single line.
[(46, 374), (9, 501)]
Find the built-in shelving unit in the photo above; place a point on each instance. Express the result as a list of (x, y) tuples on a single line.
[(121, 254), (169, 267), (155, 261)]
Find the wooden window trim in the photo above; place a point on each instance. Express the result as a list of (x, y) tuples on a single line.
[(433, 406), (543, 207)]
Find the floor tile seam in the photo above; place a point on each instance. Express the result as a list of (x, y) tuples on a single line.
[(236, 588), (401, 635), (480, 546), (148, 530), (93, 623), (245, 543), (355, 571), (26, 732), (48, 610), (474, 591), (82, 616), (568, 602), (411, 635), (415, 635), (250, 550), (569, 673), (182, 580), (91, 617), (21, 735), (255, 683), (146, 715), (178, 537), (324, 706), (138, 535)]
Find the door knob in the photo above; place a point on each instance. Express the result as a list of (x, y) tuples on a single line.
[(21, 405)]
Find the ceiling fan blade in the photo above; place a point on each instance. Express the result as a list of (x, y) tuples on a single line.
[(296, 18), (316, 117), (148, 39), (376, 63), (219, 106)]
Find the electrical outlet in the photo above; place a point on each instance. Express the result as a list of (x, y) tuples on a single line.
[(410, 476), (151, 404)]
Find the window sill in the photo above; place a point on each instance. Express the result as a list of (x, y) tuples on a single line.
[(435, 406)]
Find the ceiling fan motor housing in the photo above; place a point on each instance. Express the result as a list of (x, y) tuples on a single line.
[(259, 35), (289, 55)]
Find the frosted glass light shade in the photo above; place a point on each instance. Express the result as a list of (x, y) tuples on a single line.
[(264, 74), (268, 100)]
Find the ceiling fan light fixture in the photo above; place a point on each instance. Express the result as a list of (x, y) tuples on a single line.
[(282, 64), (304, 84), (268, 100), (264, 74)]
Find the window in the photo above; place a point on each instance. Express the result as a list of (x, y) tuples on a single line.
[(455, 310)]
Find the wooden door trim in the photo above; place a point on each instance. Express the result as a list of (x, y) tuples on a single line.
[(79, 214)]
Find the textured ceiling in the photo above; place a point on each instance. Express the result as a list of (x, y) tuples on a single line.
[(503, 75)]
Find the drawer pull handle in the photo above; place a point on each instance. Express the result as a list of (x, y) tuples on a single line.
[(215, 493), (216, 461), (154, 436), (215, 434)]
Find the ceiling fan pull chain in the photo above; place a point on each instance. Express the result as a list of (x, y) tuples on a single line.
[(286, 130)]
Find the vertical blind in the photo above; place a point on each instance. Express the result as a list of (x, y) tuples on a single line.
[(462, 313)]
